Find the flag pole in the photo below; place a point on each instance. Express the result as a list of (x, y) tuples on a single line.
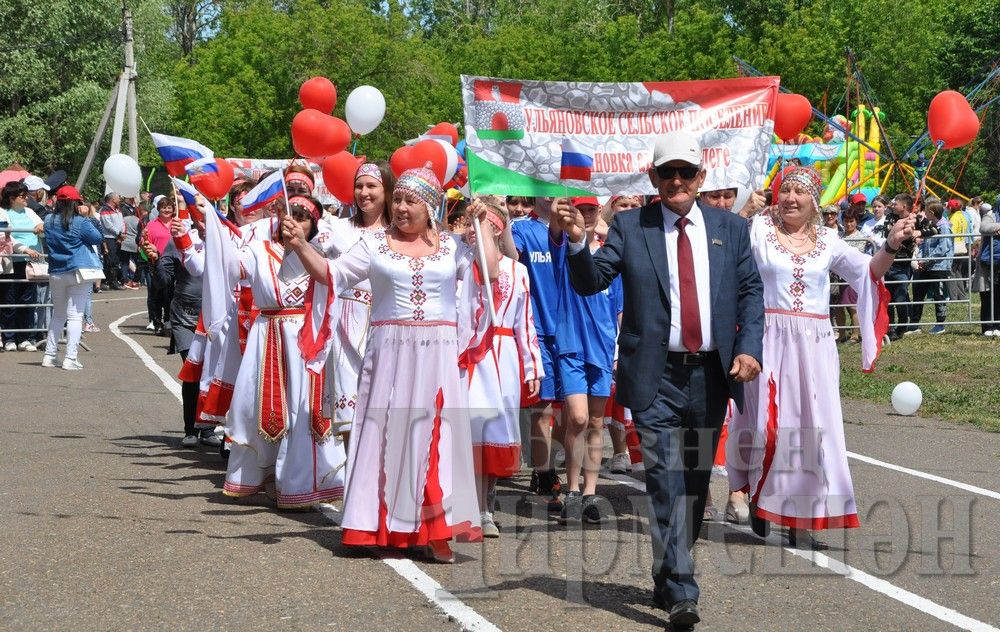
[(481, 254)]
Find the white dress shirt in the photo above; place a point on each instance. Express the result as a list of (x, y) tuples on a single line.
[(699, 252), (696, 234)]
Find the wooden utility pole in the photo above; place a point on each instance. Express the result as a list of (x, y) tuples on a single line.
[(122, 102)]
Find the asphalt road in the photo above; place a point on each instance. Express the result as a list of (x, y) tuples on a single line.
[(108, 524)]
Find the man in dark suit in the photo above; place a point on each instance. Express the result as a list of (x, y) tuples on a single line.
[(691, 334)]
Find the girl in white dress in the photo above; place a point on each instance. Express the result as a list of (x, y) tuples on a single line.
[(410, 469), (276, 426), (787, 449), (497, 369), (337, 236)]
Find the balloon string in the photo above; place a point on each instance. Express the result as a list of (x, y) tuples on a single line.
[(354, 148), (923, 179)]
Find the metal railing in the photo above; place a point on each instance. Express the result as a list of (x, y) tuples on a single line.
[(969, 263)]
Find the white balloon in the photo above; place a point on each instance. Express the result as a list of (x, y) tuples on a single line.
[(365, 109), (452, 167), (906, 398), (122, 175)]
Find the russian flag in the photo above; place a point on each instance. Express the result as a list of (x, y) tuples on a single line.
[(178, 152), (201, 167), (267, 190), (577, 161), (188, 192)]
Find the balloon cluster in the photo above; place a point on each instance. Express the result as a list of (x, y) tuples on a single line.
[(318, 135)]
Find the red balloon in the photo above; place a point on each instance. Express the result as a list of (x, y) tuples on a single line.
[(792, 112), (318, 93), (215, 186), (317, 135), (419, 155), (338, 175), (445, 130), (951, 120), (430, 151), (401, 160)]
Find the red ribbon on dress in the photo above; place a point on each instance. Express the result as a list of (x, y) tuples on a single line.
[(320, 425), (273, 414)]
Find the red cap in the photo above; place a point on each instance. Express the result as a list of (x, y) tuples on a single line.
[(68, 192), (953, 203), (586, 199), (859, 198)]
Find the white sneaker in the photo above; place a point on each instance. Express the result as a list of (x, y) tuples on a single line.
[(49, 361), (71, 364), (620, 463), (991, 332), (27, 346), (490, 529), (913, 332), (10, 346), (189, 441), (150, 326)]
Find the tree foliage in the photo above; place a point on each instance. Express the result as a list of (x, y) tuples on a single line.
[(227, 71)]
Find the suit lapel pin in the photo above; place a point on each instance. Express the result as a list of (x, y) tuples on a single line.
[(716, 242)]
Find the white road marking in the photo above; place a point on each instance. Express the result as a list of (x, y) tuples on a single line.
[(901, 595), (931, 477), (472, 621), (455, 608), (168, 380), (462, 614)]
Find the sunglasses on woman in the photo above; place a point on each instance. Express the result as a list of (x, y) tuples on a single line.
[(668, 173)]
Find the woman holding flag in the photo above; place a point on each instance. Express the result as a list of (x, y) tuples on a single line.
[(337, 236), (410, 459), (277, 429)]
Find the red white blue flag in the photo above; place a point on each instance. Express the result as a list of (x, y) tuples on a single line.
[(177, 152), (200, 167), (267, 190), (577, 161)]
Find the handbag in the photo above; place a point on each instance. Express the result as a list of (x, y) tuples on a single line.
[(89, 275), (36, 271)]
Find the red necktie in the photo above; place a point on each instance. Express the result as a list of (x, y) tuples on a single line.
[(690, 314)]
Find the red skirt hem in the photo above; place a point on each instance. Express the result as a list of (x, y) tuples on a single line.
[(498, 461), (849, 521)]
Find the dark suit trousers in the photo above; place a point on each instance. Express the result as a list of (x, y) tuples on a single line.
[(679, 432)]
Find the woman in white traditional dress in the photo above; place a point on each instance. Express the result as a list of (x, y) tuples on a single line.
[(786, 449), (337, 236), (277, 429), (410, 470), (497, 371)]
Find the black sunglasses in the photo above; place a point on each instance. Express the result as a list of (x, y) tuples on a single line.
[(668, 173)]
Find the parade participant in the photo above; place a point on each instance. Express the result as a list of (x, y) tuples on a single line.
[(183, 267), (792, 412), (528, 242), (586, 329), (70, 239), (618, 419), (494, 393), (335, 237), (276, 426), (299, 180), (703, 317), (519, 206), (410, 459), (153, 241)]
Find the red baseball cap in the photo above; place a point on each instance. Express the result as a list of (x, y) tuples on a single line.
[(953, 203), (68, 192), (859, 198), (586, 199)]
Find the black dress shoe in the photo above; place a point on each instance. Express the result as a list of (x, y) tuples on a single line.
[(760, 526), (684, 613)]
